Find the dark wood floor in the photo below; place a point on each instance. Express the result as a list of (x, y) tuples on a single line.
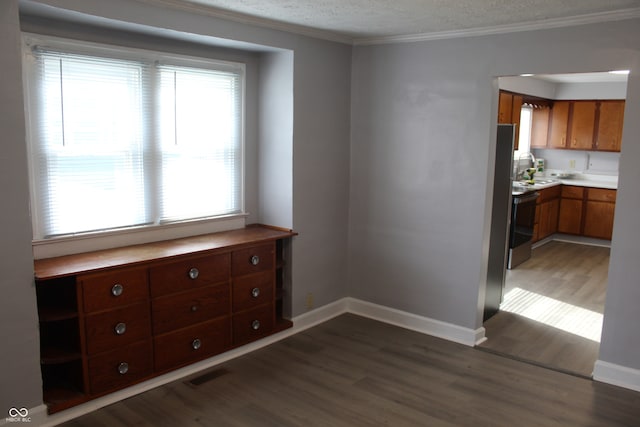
[(571, 279), (352, 371)]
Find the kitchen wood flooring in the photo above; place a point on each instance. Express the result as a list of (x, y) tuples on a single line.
[(552, 310), (353, 371)]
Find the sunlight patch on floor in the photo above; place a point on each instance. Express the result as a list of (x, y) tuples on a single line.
[(570, 318)]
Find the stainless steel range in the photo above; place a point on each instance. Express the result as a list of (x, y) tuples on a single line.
[(523, 213)]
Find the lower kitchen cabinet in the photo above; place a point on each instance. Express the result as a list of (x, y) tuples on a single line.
[(571, 204), (599, 211), (112, 318), (547, 208), (586, 211)]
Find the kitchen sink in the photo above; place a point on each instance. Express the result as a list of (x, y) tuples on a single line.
[(522, 187), (536, 181), (545, 181)]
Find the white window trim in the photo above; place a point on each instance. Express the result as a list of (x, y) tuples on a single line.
[(91, 241)]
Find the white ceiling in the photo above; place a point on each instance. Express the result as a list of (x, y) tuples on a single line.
[(379, 20)]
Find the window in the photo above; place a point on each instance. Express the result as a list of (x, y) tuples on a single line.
[(524, 137), (121, 138)]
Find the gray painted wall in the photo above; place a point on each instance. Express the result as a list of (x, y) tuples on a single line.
[(423, 138), (276, 139), (320, 152), (21, 385)]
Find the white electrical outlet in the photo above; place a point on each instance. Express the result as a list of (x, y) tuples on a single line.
[(572, 164)]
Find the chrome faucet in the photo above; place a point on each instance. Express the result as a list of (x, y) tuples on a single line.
[(533, 164)]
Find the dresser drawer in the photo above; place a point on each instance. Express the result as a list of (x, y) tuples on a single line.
[(117, 288), (253, 324), (119, 368), (189, 273), (254, 290), (115, 328), (188, 308), (187, 345), (253, 260)]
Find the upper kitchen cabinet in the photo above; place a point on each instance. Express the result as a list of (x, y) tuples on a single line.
[(586, 125), (509, 107), (559, 123), (609, 131), (583, 119), (540, 127), (505, 106)]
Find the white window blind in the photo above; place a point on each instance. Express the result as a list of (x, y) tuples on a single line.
[(118, 142), (200, 134)]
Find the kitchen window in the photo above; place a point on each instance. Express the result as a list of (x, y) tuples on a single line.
[(123, 138), (524, 137)]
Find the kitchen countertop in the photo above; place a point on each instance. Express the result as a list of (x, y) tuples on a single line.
[(580, 180)]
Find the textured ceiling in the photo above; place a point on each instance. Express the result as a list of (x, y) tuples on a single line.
[(375, 19)]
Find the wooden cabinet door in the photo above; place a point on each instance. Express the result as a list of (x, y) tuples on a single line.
[(609, 134), (539, 127), (583, 119), (548, 223), (559, 121), (570, 216), (505, 107), (516, 108), (598, 219)]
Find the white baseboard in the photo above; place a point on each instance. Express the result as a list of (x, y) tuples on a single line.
[(302, 322), (425, 325), (617, 375)]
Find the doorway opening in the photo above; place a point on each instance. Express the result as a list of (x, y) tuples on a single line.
[(552, 304)]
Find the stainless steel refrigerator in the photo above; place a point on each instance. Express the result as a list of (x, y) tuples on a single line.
[(500, 218)]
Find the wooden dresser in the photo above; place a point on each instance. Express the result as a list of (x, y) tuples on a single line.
[(112, 318)]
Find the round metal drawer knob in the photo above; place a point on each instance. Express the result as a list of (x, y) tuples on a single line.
[(123, 368), (255, 325), (255, 260), (117, 290), (255, 292), (194, 273), (196, 344), (194, 308), (120, 328)]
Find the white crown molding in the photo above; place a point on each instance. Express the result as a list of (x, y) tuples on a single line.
[(592, 18), (252, 20)]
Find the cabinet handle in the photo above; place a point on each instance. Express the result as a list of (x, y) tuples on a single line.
[(120, 328), (255, 260), (194, 273), (123, 368), (255, 292), (255, 325), (117, 290), (194, 308), (196, 344)]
